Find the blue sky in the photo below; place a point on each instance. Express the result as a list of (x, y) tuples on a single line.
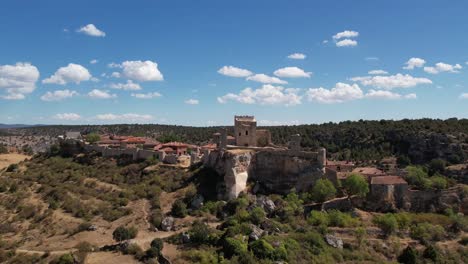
[(201, 62)]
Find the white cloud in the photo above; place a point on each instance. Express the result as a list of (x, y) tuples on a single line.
[(377, 72), (143, 71), (346, 43), (371, 58), (67, 116), (115, 74), (70, 73), (464, 96), (263, 78), (13, 96), (325, 41), (128, 86), (346, 34), (114, 65), (297, 56), (234, 71), (91, 30), (192, 101), (93, 61), (267, 95), (292, 72), (392, 81), (414, 63), (123, 118), (380, 94), (100, 94), (340, 93), (146, 95), (443, 67), (18, 80), (58, 95)]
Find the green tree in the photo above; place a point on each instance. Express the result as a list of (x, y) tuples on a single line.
[(387, 223), (179, 209), (418, 177), (431, 252), (356, 184), (93, 138), (122, 233), (408, 256), (323, 190)]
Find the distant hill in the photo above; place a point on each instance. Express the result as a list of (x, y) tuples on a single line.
[(6, 126)]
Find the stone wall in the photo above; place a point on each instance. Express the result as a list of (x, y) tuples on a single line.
[(136, 153)]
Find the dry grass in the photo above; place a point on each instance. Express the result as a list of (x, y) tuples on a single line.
[(11, 158)]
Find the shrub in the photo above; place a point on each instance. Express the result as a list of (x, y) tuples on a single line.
[(257, 215), (426, 232), (200, 233), (356, 184), (64, 259), (12, 168), (318, 218), (84, 247), (439, 182), (262, 249), (340, 219), (133, 249), (431, 252), (179, 209), (233, 246), (122, 233), (408, 256), (27, 211), (418, 177), (360, 233), (387, 223), (156, 218), (323, 190), (157, 244)]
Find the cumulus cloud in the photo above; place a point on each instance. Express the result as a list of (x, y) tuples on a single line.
[(91, 30), (67, 116), (71, 73), (292, 72), (346, 43), (234, 71), (297, 56), (123, 118), (392, 81), (443, 67), (100, 94), (192, 101), (128, 86), (115, 74), (377, 72), (146, 95), (18, 80), (143, 71), (464, 96), (414, 63), (381, 94), (93, 61), (346, 34), (58, 95), (263, 78), (342, 92), (267, 95)]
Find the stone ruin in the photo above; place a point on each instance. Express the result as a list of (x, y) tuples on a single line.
[(255, 159)]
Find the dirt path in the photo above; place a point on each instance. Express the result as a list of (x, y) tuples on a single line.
[(12, 158), (40, 252)]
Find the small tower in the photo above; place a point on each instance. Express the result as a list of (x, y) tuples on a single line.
[(245, 131)]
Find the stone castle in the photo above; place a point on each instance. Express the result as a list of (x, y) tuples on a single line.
[(254, 158)]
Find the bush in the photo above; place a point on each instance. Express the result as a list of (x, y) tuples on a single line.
[(12, 168), (64, 259), (418, 177), (426, 232), (179, 209), (84, 247), (431, 252), (408, 256), (156, 218), (340, 219), (122, 233), (387, 223), (318, 218), (233, 246), (439, 182), (262, 249), (323, 190), (356, 184), (134, 249), (157, 244), (200, 233), (257, 215)]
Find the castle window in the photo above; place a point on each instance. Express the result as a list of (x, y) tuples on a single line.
[(240, 134), (246, 132)]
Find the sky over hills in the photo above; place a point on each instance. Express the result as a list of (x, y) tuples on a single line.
[(201, 62)]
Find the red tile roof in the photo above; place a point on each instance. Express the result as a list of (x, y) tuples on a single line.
[(388, 180), (175, 144)]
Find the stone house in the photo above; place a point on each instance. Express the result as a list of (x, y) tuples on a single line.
[(388, 193)]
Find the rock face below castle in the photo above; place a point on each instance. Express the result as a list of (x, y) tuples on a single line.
[(274, 171)]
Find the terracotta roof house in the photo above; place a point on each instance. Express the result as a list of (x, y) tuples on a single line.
[(177, 148), (387, 180)]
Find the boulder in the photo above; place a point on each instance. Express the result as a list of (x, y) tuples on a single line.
[(334, 241), (266, 203), (256, 233), (167, 223), (197, 202)]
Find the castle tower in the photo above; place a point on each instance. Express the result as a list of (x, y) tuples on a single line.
[(245, 131)]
